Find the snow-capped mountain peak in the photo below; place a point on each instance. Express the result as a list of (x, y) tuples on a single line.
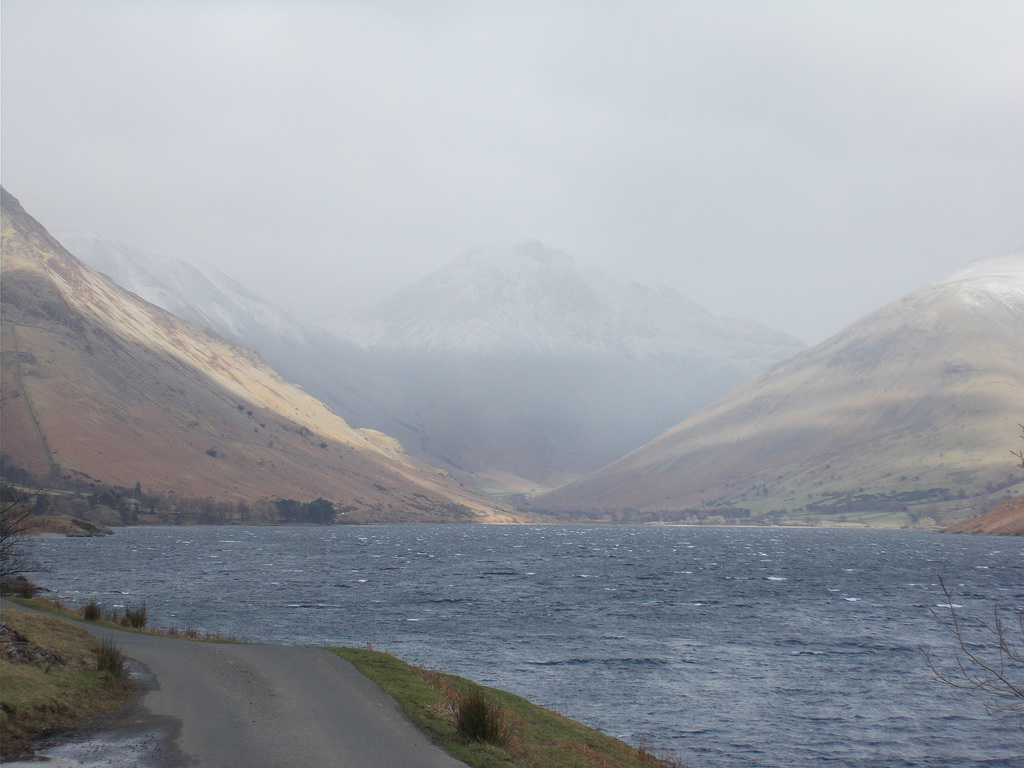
[(524, 298), (997, 278)]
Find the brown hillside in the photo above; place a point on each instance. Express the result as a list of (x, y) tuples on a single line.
[(1007, 519), (98, 383)]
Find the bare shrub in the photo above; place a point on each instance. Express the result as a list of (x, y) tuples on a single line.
[(17, 520)]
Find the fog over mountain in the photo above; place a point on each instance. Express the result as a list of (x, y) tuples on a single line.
[(205, 295), (520, 372), (511, 367), (793, 162), (909, 413)]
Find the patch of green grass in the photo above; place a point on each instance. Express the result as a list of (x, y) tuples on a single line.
[(56, 607), (52, 682), (530, 736)]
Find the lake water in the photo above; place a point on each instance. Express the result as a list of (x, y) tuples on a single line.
[(727, 647)]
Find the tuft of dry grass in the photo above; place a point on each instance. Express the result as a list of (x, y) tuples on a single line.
[(110, 660), (135, 617), (191, 632), (478, 720), (91, 611)]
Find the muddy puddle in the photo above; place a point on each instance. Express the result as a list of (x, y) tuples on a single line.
[(110, 750), (131, 737)]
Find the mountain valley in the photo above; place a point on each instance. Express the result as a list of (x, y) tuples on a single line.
[(512, 368), (513, 373)]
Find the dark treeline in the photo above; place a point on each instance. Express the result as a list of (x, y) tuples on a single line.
[(89, 500)]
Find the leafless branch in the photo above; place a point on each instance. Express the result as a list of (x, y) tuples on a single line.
[(16, 522), (1020, 453), (989, 657)]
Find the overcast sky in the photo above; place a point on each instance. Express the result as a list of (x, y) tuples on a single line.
[(795, 163)]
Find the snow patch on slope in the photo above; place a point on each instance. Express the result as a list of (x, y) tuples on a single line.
[(197, 293)]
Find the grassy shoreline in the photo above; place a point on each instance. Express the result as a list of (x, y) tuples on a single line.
[(525, 735)]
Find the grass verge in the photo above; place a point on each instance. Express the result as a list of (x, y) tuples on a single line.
[(526, 735), (131, 619), (52, 679)]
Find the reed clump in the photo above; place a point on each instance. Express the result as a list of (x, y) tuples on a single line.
[(135, 616), (478, 720), (110, 659), (91, 611)]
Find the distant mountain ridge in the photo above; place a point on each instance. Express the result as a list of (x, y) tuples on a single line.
[(204, 295), (997, 279), (910, 411), (519, 372)]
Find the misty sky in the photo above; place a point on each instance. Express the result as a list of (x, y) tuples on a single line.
[(796, 163)]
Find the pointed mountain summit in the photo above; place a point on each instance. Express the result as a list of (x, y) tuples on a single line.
[(99, 384), (523, 298), (908, 415)]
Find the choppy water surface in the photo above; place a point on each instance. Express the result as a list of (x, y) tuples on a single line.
[(726, 646)]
